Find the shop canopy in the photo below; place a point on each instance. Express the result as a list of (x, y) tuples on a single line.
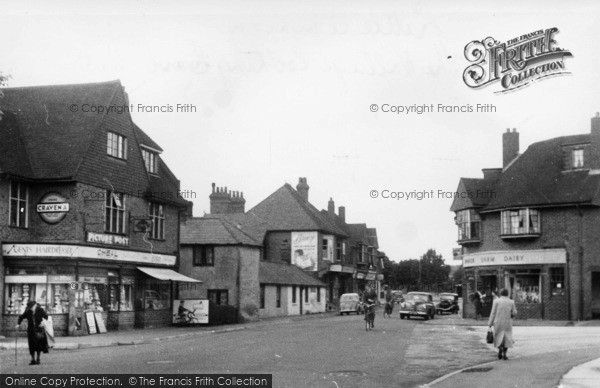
[(167, 274)]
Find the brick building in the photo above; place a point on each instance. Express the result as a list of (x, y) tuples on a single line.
[(89, 212), (226, 251), (532, 227)]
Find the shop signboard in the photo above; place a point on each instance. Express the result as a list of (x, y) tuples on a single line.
[(108, 239), (84, 252), (304, 250), (190, 311), (52, 208), (538, 256)]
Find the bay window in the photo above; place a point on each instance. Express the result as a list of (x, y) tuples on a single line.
[(520, 222)]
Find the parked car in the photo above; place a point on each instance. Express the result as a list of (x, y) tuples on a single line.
[(417, 304), (448, 303), (350, 303)]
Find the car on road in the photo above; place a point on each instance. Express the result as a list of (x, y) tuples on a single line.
[(397, 296), (448, 303), (350, 303), (417, 304)]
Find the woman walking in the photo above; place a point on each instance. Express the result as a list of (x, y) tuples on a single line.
[(503, 311), (36, 335)]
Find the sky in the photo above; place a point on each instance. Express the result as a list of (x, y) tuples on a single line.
[(279, 90)]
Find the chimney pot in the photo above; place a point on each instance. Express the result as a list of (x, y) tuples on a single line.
[(213, 187)]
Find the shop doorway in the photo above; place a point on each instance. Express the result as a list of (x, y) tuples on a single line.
[(596, 295), (487, 285)]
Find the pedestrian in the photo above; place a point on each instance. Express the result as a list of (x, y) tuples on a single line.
[(478, 304), (369, 299), (36, 335), (389, 303), (503, 312)]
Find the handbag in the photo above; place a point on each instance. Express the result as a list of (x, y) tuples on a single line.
[(40, 334), (490, 336)]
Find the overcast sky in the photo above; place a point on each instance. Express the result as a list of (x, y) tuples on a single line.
[(284, 90)]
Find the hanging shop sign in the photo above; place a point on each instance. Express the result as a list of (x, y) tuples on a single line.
[(52, 208)]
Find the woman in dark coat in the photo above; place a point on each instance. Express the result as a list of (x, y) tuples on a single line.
[(478, 304), (34, 315)]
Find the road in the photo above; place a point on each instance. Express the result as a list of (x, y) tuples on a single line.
[(321, 352)]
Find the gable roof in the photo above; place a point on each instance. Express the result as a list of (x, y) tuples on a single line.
[(473, 193), (286, 210), (285, 274), (215, 231)]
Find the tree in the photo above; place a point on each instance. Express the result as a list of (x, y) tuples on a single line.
[(3, 82)]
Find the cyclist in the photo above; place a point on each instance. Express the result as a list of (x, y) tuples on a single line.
[(369, 298)]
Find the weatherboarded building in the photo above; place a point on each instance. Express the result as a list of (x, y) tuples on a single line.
[(532, 227)]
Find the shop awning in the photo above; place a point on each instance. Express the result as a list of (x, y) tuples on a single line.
[(167, 274)]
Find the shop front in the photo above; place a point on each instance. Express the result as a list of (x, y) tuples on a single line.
[(535, 280), (69, 280)]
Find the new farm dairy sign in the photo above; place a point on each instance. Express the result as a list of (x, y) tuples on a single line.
[(540, 256)]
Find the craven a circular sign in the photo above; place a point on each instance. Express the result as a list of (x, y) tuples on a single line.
[(52, 208)]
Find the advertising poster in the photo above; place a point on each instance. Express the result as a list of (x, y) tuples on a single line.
[(190, 311), (304, 250)]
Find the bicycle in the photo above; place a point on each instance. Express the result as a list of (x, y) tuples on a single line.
[(369, 316)]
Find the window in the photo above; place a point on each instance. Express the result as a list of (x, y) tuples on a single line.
[(150, 161), (116, 145), (278, 297), (156, 294), (294, 294), (338, 251), (220, 297), (114, 221), (19, 198), (157, 215), (306, 295), (557, 281), (204, 255), (262, 296), (522, 221), (577, 158), (526, 288), (469, 225), (318, 294)]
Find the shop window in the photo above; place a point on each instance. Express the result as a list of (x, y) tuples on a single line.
[(157, 215), (526, 289), (262, 296), (18, 204), (469, 225), (114, 220), (220, 297), (116, 145), (204, 255), (156, 295), (557, 281), (520, 222)]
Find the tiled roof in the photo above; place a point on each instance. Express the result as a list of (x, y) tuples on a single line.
[(144, 139), (537, 179), (286, 210), (215, 231), (13, 153), (285, 274), (55, 137), (473, 193)]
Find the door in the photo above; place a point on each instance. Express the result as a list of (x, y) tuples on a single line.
[(595, 294)]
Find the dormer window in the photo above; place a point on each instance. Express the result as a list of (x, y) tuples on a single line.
[(521, 222), (469, 225), (577, 158), (116, 145), (150, 161)]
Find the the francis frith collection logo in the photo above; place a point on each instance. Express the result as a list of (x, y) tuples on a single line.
[(515, 63)]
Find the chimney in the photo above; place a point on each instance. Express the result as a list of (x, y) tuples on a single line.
[(510, 146), (596, 125), (491, 173), (238, 203), (342, 213), (331, 207), (302, 188), (594, 161), (223, 201)]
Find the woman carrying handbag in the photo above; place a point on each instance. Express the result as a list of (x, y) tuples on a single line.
[(503, 311), (36, 335)]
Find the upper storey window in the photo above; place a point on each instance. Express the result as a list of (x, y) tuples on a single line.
[(520, 222), (116, 145), (150, 161), (469, 225)]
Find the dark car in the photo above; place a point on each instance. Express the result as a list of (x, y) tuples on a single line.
[(448, 303), (350, 303), (417, 304)]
